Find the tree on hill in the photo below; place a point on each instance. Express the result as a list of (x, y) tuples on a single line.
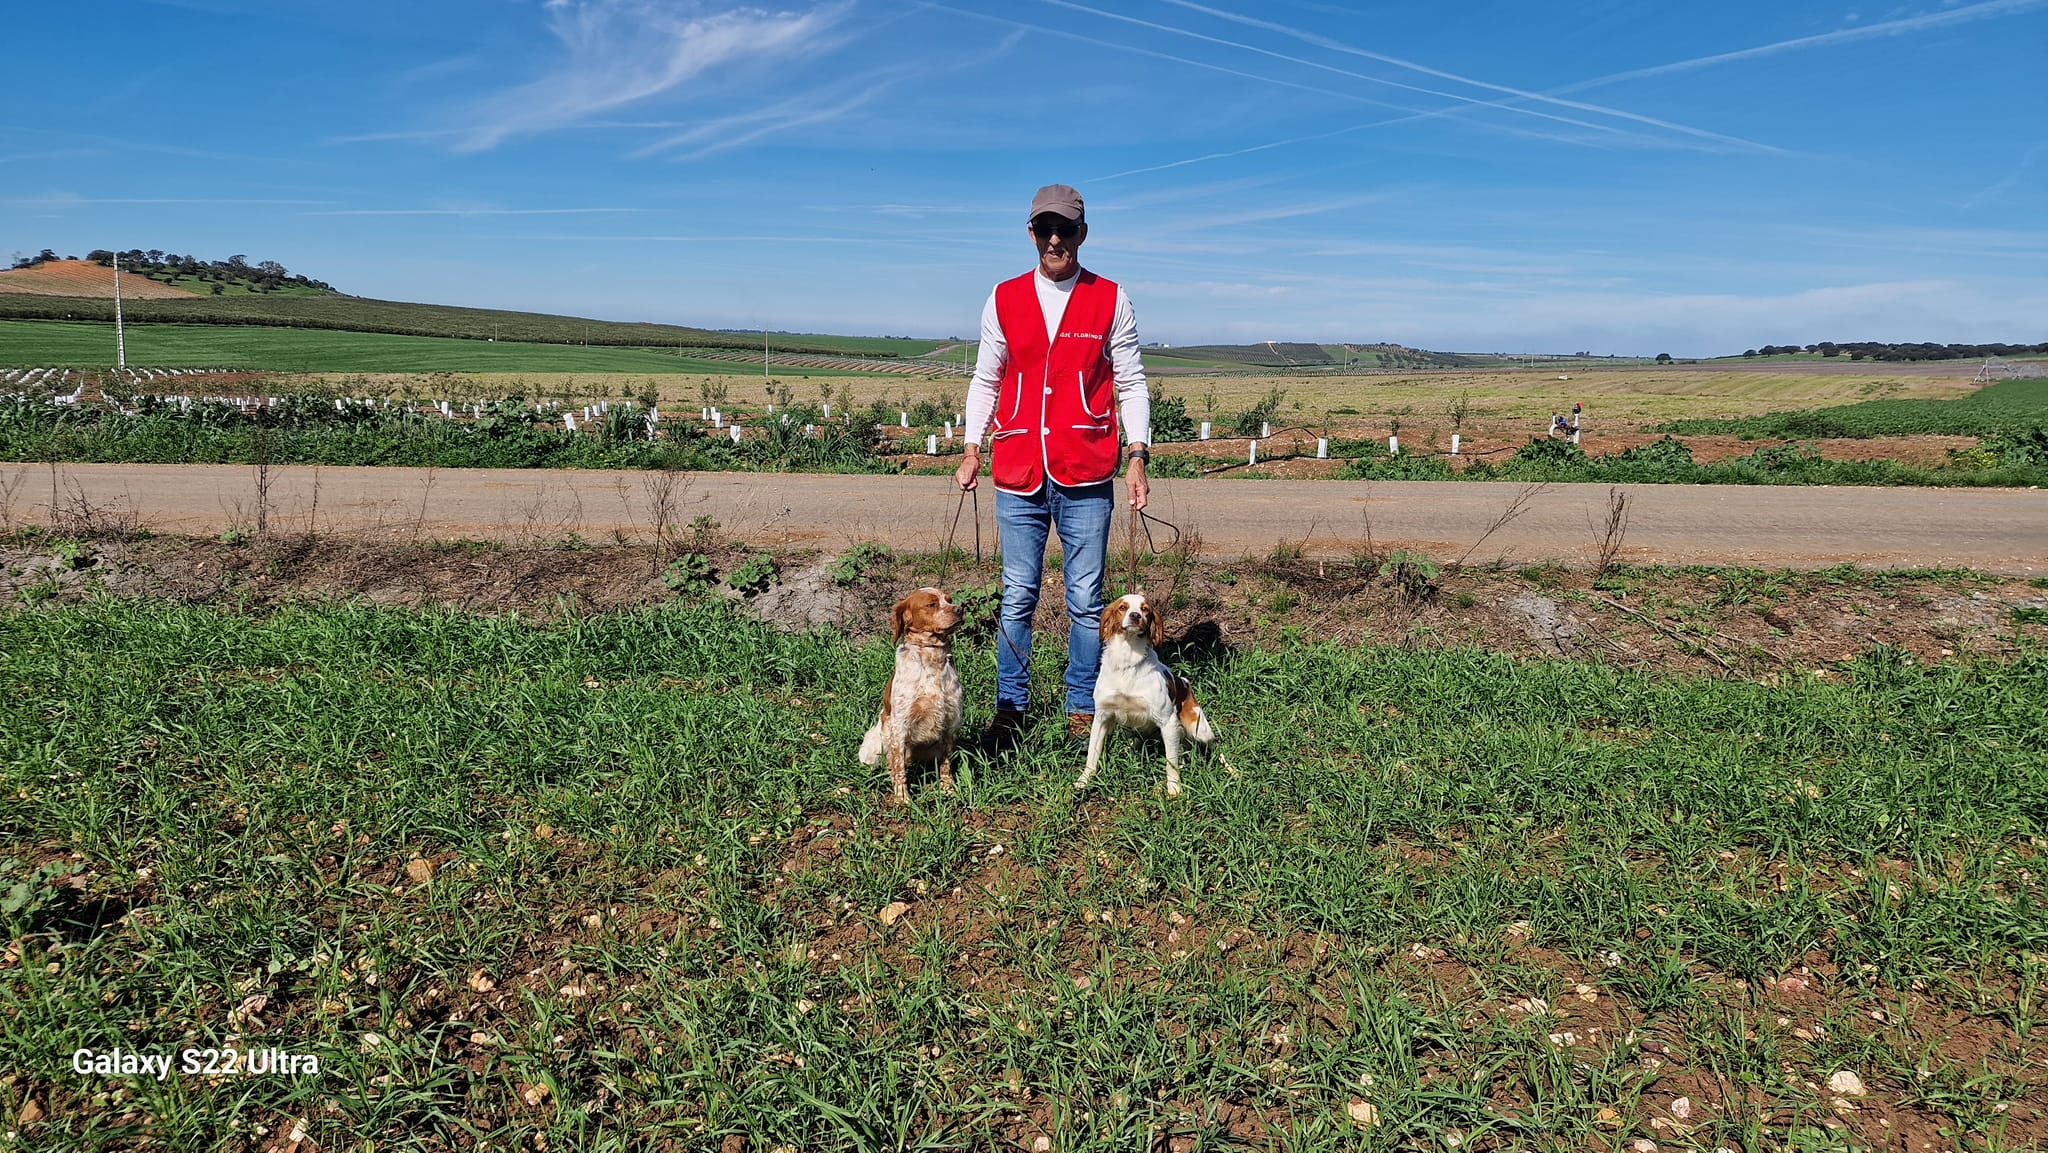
[(155, 263), (1663, 358)]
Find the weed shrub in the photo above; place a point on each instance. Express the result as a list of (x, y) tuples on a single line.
[(1170, 420), (1252, 420), (855, 563), (1174, 466), (660, 811), (755, 575), (1370, 460), (309, 430)]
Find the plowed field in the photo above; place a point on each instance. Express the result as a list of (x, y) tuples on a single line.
[(82, 278)]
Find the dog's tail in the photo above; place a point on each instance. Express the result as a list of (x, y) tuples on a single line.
[(1192, 718), (871, 746)]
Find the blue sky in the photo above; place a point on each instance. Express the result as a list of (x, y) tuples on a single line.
[(1621, 175)]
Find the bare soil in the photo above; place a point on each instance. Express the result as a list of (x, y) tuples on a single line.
[(1742, 622), (83, 278)]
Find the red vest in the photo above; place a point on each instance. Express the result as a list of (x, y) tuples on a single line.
[(1056, 410)]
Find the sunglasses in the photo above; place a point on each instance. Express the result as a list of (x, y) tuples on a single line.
[(1048, 226)]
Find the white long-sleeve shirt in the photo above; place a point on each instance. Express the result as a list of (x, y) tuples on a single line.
[(1134, 399)]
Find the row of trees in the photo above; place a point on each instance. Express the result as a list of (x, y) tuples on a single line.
[(263, 276), (1881, 350)]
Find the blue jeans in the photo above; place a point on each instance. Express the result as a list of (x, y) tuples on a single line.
[(1022, 523)]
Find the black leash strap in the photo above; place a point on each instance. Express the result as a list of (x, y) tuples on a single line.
[(953, 531)]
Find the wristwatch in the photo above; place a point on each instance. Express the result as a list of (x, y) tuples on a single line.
[(1141, 454)]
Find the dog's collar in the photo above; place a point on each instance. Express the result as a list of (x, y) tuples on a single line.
[(937, 644)]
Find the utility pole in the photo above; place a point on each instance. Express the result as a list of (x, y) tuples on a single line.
[(120, 338), (764, 352)]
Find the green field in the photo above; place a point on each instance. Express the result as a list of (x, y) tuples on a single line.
[(891, 346), (1994, 408), (619, 881), (360, 314), (36, 343)]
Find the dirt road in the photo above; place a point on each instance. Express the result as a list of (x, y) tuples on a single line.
[(1995, 530)]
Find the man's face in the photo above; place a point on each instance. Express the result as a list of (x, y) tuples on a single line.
[(1059, 243)]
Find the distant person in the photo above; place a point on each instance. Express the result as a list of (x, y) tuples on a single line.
[(1058, 380)]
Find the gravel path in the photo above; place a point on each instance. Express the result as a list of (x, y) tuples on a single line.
[(1995, 530)]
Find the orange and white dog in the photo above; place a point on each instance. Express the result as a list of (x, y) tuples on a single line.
[(920, 720), (1135, 690)]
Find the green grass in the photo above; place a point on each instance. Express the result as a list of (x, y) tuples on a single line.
[(1998, 407), (38, 343), (660, 812), (892, 346), (1169, 360)]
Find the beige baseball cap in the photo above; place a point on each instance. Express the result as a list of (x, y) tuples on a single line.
[(1060, 200)]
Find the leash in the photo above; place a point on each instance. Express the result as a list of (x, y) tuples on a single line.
[(1145, 520), (951, 532)]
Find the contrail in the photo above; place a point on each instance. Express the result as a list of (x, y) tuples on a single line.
[(1193, 35), (1167, 56), (1268, 147), (1338, 46), (1984, 11)]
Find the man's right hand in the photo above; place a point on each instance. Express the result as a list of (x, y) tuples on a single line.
[(968, 474)]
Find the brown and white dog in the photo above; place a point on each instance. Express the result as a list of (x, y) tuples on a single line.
[(920, 720), (1135, 690)]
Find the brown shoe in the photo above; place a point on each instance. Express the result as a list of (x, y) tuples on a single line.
[(1080, 724)]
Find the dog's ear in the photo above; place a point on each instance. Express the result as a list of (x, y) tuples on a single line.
[(1155, 627), (1112, 619), (899, 617)]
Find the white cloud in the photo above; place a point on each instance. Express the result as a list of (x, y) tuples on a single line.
[(719, 133), (621, 52)]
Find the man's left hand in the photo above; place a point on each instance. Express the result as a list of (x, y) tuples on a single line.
[(1141, 489)]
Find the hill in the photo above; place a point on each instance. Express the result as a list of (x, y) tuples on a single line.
[(400, 318), (1290, 354), (83, 278), (44, 343)]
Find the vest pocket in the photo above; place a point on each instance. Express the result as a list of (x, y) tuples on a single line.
[(1081, 390), (1016, 399)]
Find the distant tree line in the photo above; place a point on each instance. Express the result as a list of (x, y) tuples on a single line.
[(155, 263), (1882, 350)]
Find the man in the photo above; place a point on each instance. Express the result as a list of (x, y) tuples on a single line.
[(1057, 382)]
